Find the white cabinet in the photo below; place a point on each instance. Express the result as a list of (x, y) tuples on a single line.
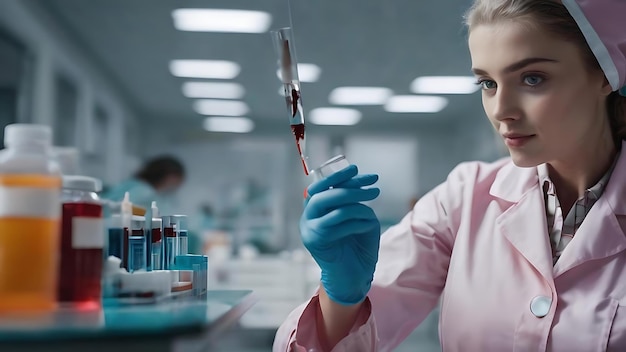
[(280, 283)]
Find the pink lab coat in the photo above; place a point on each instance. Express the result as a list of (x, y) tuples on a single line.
[(480, 241)]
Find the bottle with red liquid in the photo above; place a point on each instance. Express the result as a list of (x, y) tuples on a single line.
[(157, 244), (82, 241), (153, 238)]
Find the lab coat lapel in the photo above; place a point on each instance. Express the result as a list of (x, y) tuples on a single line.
[(603, 232), (600, 235), (524, 222)]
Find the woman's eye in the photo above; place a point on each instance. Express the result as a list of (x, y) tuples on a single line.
[(486, 84), (532, 80)]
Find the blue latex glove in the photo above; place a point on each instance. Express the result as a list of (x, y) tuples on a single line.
[(342, 234)]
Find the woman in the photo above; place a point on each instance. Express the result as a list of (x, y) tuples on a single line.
[(504, 244), (157, 178)]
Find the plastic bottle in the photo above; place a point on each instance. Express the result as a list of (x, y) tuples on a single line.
[(30, 209)]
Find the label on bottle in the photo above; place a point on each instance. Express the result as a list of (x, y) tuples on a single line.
[(87, 232), (137, 253), (32, 202)]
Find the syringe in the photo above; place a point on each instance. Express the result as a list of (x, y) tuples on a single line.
[(288, 69)]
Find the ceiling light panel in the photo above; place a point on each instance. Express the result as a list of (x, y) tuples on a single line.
[(228, 124), (360, 95), (221, 20), (212, 69), (216, 90), (444, 85), (221, 107), (335, 116), (415, 104)]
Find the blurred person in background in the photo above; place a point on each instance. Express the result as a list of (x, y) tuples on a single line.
[(204, 224), (206, 219), (157, 180)]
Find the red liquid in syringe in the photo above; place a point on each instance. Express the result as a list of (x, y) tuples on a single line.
[(298, 132)]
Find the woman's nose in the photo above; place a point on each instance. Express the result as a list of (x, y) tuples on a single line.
[(505, 105)]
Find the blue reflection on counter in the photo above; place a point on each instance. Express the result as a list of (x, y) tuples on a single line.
[(84, 322)]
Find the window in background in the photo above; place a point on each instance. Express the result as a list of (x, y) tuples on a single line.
[(13, 59), (131, 142), (396, 161), (94, 163), (66, 122)]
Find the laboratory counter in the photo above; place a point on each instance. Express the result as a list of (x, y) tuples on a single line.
[(179, 325)]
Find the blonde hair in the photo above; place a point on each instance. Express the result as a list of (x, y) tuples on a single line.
[(553, 17)]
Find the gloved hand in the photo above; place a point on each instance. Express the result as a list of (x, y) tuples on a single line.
[(342, 234)]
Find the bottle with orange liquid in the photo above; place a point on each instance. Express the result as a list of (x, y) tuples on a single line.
[(30, 188)]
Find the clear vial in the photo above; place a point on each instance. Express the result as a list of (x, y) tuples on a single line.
[(330, 167)]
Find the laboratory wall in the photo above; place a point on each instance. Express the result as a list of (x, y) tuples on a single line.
[(68, 89), (102, 74), (243, 180), (60, 79), (255, 184)]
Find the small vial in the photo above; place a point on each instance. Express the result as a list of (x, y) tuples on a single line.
[(179, 222), (137, 245), (116, 235), (330, 167), (148, 235), (183, 242), (125, 248), (180, 226), (170, 243), (126, 208), (157, 244), (82, 240)]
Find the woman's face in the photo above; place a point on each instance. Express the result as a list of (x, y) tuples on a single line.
[(538, 93)]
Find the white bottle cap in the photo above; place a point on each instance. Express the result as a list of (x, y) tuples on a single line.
[(82, 183), (27, 133)]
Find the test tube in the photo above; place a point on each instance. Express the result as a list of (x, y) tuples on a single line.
[(180, 223), (148, 239), (127, 215), (157, 244), (170, 243), (116, 235), (137, 245), (288, 70)]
